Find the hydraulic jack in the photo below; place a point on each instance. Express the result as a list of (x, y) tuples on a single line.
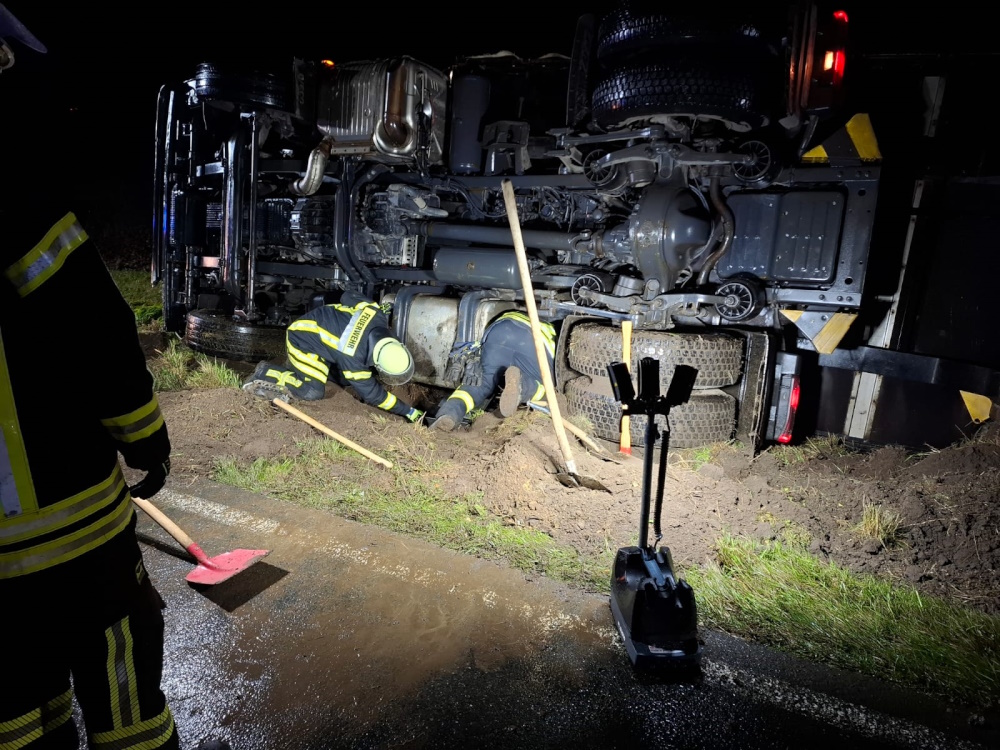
[(654, 610)]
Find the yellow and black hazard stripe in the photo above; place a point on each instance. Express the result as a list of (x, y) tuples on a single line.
[(48, 256), (852, 144), (27, 728)]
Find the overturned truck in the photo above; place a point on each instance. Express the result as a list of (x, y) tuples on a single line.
[(670, 171)]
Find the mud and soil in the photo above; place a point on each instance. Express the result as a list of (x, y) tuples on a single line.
[(947, 502)]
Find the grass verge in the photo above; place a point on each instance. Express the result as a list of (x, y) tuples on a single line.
[(409, 498), (142, 297), (773, 593), (177, 368), (780, 595)]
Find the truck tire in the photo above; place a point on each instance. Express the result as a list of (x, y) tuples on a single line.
[(708, 417), (644, 26), (717, 357), (681, 87), (218, 335)]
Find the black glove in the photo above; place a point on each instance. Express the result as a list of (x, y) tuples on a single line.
[(152, 483)]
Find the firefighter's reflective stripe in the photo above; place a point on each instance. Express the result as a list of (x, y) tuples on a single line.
[(539, 393), (144, 735), (357, 374), (355, 328), (311, 326), (388, 403), (48, 256), (284, 377), (65, 534), (308, 363), (548, 332), (63, 514), (465, 398), (25, 729), (17, 492), (137, 424), (122, 687)]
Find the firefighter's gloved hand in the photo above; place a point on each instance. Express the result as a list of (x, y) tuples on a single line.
[(415, 415), (152, 483)]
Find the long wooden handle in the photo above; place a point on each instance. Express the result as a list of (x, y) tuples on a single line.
[(625, 441), (324, 429), (169, 526), (536, 328), (578, 432)]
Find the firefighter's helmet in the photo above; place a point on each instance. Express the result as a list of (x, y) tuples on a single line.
[(392, 361), (13, 30)]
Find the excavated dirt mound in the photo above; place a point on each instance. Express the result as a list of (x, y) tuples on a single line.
[(948, 502)]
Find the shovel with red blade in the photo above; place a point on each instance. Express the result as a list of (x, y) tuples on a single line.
[(210, 570)]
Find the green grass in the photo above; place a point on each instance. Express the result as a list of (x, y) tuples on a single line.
[(778, 594), (142, 297), (409, 498), (773, 593), (879, 524), (177, 368)]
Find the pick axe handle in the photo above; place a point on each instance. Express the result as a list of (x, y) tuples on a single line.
[(536, 327), (327, 431)]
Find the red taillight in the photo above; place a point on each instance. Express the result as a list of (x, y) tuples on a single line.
[(793, 405), (839, 61), (840, 15), (326, 63)]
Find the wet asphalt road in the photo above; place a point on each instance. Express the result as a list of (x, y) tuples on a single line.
[(346, 636)]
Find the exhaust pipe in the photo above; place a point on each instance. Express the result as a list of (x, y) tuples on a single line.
[(728, 230), (310, 182)]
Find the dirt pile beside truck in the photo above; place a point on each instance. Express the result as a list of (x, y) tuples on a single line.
[(932, 520)]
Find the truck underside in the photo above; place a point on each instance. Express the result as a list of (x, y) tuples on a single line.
[(666, 173)]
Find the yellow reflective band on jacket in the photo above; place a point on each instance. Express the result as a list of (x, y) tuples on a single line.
[(465, 398), (144, 735), (17, 491), (357, 374), (539, 393), (23, 730), (137, 424), (355, 328), (48, 256), (108, 502), (548, 331), (311, 326), (308, 363), (390, 401)]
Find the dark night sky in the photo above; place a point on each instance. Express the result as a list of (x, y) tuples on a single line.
[(100, 80)]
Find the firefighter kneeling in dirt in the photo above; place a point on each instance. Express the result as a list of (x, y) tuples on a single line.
[(507, 348), (346, 341)]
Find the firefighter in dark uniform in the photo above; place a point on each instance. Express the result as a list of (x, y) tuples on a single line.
[(346, 341), (507, 350), (76, 599)]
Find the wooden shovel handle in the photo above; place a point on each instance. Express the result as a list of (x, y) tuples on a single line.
[(326, 430), (169, 526), (536, 328)]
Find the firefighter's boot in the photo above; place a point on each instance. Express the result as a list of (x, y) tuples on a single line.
[(510, 399)]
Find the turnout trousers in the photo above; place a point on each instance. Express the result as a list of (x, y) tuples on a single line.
[(95, 620)]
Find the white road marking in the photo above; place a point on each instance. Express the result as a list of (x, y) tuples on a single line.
[(220, 513), (825, 708)]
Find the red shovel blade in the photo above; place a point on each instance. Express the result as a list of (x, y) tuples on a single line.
[(217, 569)]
